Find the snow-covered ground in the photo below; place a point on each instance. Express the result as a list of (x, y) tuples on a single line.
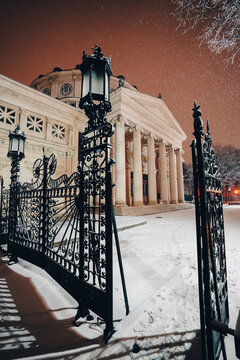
[(160, 264)]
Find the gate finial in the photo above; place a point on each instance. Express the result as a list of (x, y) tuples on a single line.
[(198, 123), (208, 130)]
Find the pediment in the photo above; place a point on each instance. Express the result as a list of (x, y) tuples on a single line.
[(156, 108)]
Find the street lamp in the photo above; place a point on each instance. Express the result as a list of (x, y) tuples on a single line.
[(95, 95), (229, 194), (16, 152), (16, 144)]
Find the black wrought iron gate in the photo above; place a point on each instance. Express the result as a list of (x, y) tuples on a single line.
[(213, 291), (64, 225)]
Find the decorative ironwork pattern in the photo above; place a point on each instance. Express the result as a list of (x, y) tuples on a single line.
[(94, 165), (213, 292), (4, 213), (64, 225)]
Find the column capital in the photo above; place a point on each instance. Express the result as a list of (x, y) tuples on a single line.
[(145, 136), (162, 142), (171, 148), (137, 128), (179, 150), (151, 136), (76, 77), (120, 118)]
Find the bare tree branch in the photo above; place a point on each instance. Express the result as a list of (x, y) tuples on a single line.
[(220, 19)]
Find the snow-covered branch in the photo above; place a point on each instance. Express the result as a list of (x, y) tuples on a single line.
[(220, 19)]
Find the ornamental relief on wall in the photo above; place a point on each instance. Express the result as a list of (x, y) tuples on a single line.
[(66, 89)]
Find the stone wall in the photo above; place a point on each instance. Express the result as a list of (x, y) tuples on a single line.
[(49, 125)]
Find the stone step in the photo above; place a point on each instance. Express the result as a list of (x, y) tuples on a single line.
[(149, 209)]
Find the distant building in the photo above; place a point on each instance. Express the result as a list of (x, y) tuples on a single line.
[(147, 144)]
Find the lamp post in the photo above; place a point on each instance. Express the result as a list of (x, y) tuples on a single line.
[(95, 95), (229, 194), (16, 154)]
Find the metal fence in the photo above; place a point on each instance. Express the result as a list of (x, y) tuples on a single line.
[(64, 225)]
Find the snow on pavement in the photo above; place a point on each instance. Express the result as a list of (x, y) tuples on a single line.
[(160, 264)]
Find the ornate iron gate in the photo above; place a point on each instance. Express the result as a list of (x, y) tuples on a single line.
[(64, 225), (213, 291), (4, 213)]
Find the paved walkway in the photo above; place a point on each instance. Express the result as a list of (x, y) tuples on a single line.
[(29, 328), (27, 325)]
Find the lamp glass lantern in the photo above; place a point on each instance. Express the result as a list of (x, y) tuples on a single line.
[(96, 72), (16, 147)]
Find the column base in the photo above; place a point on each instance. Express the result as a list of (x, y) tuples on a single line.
[(181, 201), (118, 203), (173, 202), (138, 203), (152, 202), (165, 202)]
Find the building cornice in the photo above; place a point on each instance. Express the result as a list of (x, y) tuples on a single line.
[(26, 97)]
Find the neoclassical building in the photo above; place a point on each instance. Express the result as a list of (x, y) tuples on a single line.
[(147, 143)]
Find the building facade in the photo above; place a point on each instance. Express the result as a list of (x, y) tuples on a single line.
[(147, 143)]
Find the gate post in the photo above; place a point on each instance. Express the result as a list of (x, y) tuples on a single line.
[(212, 276), (13, 204), (202, 248)]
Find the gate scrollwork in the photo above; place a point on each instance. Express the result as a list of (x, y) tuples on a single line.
[(64, 224)]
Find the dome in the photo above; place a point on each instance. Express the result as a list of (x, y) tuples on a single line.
[(65, 85)]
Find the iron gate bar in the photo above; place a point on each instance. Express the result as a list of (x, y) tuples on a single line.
[(199, 252), (210, 236), (120, 262)]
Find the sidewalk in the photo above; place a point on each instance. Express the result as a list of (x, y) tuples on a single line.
[(28, 327), (37, 314)]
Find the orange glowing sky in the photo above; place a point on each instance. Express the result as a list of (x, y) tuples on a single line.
[(141, 36)]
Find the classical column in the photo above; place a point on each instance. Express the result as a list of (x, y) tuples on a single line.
[(162, 168), (68, 163), (120, 191), (173, 176), (180, 176), (137, 169), (70, 135), (152, 185)]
